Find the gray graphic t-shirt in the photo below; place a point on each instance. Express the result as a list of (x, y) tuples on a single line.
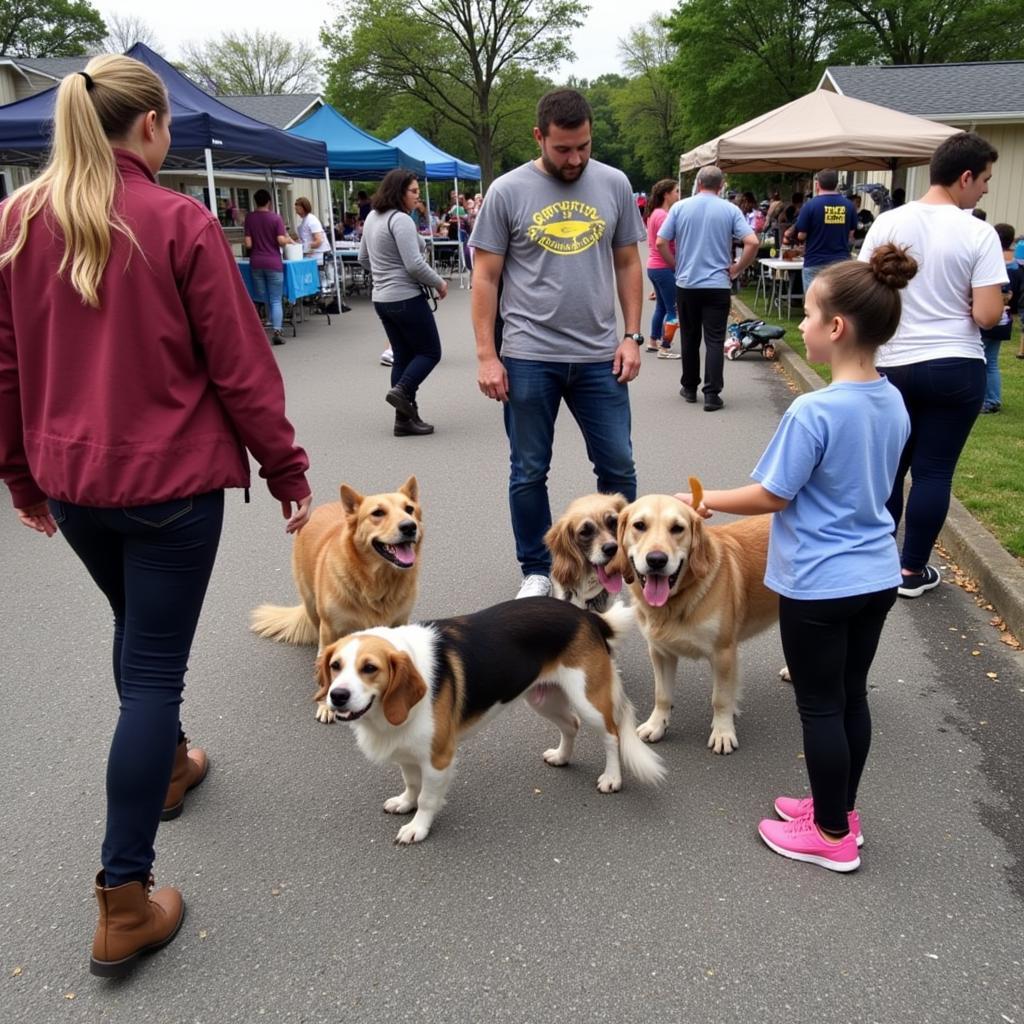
[(558, 298)]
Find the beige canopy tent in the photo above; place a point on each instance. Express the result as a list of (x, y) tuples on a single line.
[(823, 129)]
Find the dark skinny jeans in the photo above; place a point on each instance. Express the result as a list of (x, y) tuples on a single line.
[(829, 646), (153, 564), (703, 311), (412, 332)]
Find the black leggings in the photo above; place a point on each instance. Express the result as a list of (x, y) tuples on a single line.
[(829, 646)]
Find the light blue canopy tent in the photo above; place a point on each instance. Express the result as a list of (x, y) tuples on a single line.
[(439, 164)]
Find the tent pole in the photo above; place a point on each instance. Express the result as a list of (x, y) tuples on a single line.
[(430, 223), (338, 266), (458, 235), (209, 183)]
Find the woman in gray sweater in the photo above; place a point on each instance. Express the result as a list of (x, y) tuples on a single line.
[(392, 250)]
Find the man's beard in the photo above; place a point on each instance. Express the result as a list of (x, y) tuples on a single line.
[(559, 172)]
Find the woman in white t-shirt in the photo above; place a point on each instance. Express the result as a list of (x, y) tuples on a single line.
[(310, 232), (936, 358)]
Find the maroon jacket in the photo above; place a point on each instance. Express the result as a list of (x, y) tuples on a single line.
[(156, 394)]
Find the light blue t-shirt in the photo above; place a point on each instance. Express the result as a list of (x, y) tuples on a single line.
[(704, 228), (834, 457)]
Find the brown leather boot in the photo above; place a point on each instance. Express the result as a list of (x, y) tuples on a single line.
[(133, 921), (190, 768)]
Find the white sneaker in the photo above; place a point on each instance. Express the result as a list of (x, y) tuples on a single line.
[(387, 357), (534, 585)]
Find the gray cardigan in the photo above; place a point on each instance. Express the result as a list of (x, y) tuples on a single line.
[(392, 250)]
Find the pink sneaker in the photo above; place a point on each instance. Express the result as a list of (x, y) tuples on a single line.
[(800, 840), (790, 807)]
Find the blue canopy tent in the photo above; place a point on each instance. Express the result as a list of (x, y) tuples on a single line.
[(352, 154), (439, 164), (204, 132)]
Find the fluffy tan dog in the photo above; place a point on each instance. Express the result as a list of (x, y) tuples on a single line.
[(698, 591), (355, 565)]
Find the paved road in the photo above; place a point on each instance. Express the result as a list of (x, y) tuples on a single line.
[(535, 897)]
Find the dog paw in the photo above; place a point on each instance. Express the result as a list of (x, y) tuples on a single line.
[(555, 757), (784, 674), (652, 730), (400, 804), (723, 741), (412, 833), (609, 783), (324, 713)]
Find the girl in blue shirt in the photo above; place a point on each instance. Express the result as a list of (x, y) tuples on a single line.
[(832, 556)]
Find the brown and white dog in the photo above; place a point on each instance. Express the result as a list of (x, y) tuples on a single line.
[(355, 565), (414, 692), (583, 541), (698, 591)]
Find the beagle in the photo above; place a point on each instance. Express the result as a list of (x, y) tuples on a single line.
[(413, 692)]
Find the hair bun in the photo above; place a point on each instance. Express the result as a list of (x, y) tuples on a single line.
[(892, 265)]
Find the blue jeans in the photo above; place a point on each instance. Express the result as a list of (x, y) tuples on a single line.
[(808, 274), (664, 282), (269, 288), (412, 332), (152, 563), (943, 398), (600, 406), (993, 381)]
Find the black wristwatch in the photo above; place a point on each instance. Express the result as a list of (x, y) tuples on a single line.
[(638, 338)]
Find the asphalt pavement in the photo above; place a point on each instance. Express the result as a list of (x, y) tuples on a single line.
[(535, 897)]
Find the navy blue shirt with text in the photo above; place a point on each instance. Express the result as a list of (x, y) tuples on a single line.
[(828, 220)]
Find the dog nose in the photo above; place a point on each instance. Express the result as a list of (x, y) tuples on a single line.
[(609, 549), (407, 527), (657, 560), (340, 696)]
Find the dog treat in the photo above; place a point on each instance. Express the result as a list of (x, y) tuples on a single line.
[(695, 490)]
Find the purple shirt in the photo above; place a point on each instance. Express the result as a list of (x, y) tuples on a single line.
[(264, 227)]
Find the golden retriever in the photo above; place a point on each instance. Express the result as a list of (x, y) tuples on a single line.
[(355, 565), (582, 541), (412, 693), (698, 591)]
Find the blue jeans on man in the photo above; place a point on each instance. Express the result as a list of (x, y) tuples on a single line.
[(993, 380), (268, 288), (600, 406)]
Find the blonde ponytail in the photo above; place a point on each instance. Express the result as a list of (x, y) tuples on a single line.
[(79, 182)]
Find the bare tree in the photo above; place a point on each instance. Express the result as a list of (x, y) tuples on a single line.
[(252, 63), (125, 30)]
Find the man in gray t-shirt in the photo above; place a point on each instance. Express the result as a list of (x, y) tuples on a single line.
[(558, 238)]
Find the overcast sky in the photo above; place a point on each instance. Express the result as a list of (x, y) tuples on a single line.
[(180, 21)]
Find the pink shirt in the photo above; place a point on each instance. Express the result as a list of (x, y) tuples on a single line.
[(654, 260)]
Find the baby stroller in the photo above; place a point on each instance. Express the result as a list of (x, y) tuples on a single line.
[(751, 335)]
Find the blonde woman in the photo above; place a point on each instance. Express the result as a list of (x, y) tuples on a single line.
[(123, 416)]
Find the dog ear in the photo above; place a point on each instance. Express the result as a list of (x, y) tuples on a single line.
[(351, 499), (405, 688), (618, 501), (699, 559), (567, 565), (322, 672), (411, 489), (620, 563)]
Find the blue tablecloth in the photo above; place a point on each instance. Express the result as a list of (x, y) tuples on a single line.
[(301, 277)]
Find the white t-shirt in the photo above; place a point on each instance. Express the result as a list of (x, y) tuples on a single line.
[(955, 252), (310, 226)]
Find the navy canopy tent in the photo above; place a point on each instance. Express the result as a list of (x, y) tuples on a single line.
[(204, 132), (353, 154), (439, 163)]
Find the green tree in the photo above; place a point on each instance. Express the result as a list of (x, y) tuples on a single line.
[(466, 59), (610, 145), (252, 64), (49, 28)]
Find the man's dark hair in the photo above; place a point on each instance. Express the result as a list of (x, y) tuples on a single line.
[(828, 179), (565, 108), (1006, 235), (390, 194), (261, 197), (965, 151)]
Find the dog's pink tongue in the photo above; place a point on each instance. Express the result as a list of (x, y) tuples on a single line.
[(405, 553), (656, 591), (612, 583)]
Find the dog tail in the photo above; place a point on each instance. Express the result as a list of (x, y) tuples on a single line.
[(620, 619), (637, 757), (285, 625)]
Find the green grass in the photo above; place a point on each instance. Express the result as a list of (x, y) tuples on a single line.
[(989, 478)]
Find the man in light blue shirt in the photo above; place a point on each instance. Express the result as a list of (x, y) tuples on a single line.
[(704, 228)]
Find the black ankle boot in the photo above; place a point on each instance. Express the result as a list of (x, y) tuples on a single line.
[(400, 398), (411, 426)]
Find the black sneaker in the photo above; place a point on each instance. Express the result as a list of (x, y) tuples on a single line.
[(688, 395), (712, 403), (917, 583)]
